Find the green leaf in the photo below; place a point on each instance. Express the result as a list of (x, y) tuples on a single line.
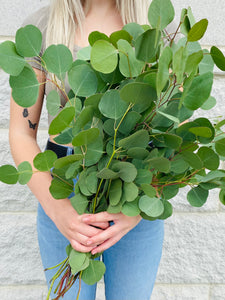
[(127, 171), (146, 45), (199, 91), (168, 210), (163, 69), (111, 105), (84, 117), (209, 158), (130, 191), (179, 63), (107, 174), (120, 35), (179, 165), (86, 137), (129, 65), (79, 203), (170, 140), (133, 29), (57, 59), (169, 117), (10, 61), (149, 190), (65, 137), (83, 80), (62, 121), (138, 139), (131, 209), (170, 191), (185, 26), (209, 103), (161, 164), (152, 207), (161, 13), (220, 146), (45, 161), (222, 196), (28, 41), (207, 63), (213, 175), (94, 151), (53, 102), (201, 131), (193, 61), (67, 160), (197, 31), (218, 57), (8, 174), (104, 57), (60, 189), (192, 159), (137, 152), (140, 94), (25, 172), (84, 53), (115, 192), (94, 272), (95, 36), (197, 196), (143, 177), (25, 87), (78, 261), (93, 101)]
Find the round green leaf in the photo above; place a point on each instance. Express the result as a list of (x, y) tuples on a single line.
[(199, 91), (115, 192), (149, 190), (84, 53), (120, 35), (137, 152), (197, 30), (57, 59), (152, 207), (218, 58), (178, 165), (25, 172), (131, 209), (129, 122), (95, 36), (162, 164), (10, 61), (79, 203), (209, 158), (45, 161), (92, 182), (94, 272), (201, 131), (138, 139), (25, 87), (83, 80), (130, 191), (141, 94), (207, 63), (53, 102), (192, 159), (127, 171), (8, 174), (222, 196), (104, 57), (209, 103), (111, 105), (78, 261), (129, 65), (161, 13), (62, 121), (64, 161), (170, 191), (60, 189), (168, 210), (85, 137), (94, 152), (163, 70), (197, 196), (28, 41), (107, 174), (146, 45), (220, 146), (133, 29), (193, 61), (143, 177), (203, 134)]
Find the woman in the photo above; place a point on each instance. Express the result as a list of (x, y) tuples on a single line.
[(132, 246)]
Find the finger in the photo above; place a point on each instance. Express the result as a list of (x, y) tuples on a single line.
[(102, 237), (88, 230), (107, 244), (78, 247), (99, 217), (101, 225)]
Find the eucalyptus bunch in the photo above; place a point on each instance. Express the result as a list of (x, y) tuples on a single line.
[(130, 94)]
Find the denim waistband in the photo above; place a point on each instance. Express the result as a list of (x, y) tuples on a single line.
[(60, 150)]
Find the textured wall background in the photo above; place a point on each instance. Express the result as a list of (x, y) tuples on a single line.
[(192, 266)]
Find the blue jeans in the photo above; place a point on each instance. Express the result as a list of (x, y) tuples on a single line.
[(131, 264)]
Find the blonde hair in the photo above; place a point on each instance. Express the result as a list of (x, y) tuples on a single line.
[(68, 15)]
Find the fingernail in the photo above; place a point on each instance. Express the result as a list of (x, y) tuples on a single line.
[(89, 243), (85, 219), (94, 252)]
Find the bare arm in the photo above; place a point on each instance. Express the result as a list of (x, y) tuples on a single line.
[(22, 137)]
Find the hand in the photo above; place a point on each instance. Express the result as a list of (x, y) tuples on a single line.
[(72, 226), (111, 235)]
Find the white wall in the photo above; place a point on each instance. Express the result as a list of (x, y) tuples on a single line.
[(192, 266)]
